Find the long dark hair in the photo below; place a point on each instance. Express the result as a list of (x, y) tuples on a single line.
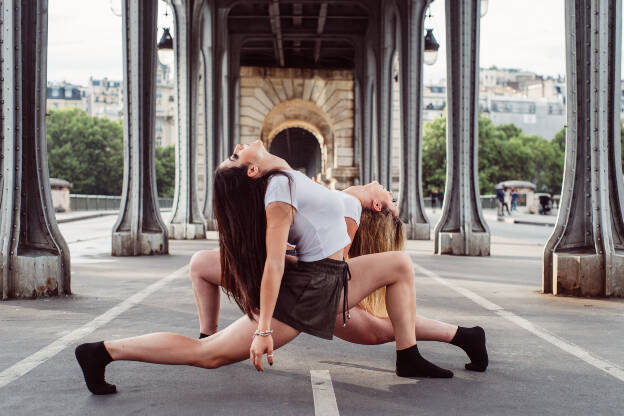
[(238, 205)]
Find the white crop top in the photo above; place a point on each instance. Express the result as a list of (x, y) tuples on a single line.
[(318, 229), (352, 206)]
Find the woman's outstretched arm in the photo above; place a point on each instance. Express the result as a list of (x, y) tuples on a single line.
[(279, 218)]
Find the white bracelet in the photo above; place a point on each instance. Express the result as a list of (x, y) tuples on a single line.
[(266, 333)]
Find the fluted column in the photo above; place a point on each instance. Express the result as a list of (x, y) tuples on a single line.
[(585, 254), (187, 221), (208, 28), (411, 15), (461, 229), (366, 111), (384, 92), (35, 257), (139, 229)]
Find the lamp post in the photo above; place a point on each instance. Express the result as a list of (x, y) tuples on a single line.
[(165, 48), (431, 48)]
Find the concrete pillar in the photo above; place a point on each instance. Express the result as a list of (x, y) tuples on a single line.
[(585, 254), (462, 229), (387, 50), (139, 229), (411, 205), (35, 257), (187, 221)]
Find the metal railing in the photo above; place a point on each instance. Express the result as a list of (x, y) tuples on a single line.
[(80, 202)]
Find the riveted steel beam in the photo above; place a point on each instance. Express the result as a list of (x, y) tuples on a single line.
[(462, 229), (585, 254), (383, 91), (35, 257), (139, 229), (187, 221), (209, 53), (411, 15)]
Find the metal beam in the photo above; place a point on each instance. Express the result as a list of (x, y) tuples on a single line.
[(462, 229), (584, 256), (139, 229), (322, 18), (411, 16), (34, 257), (276, 28), (186, 221)]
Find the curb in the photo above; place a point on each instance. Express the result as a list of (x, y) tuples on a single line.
[(85, 217)]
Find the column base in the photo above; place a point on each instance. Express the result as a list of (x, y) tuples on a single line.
[(149, 244), (192, 231), (455, 244), (418, 231), (211, 225), (37, 274), (582, 274)]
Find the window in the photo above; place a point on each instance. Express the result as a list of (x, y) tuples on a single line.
[(158, 141)]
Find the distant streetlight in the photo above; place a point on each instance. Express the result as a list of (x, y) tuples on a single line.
[(115, 6), (484, 7), (431, 48), (165, 48)]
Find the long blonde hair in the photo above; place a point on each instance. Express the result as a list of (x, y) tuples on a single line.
[(378, 232)]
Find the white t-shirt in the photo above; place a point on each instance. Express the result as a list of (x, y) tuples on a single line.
[(318, 229), (352, 206)]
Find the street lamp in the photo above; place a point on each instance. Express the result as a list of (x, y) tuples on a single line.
[(165, 48), (431, 48), (115, 6), (484, 7)]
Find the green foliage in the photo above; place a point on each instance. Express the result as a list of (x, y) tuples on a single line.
[(88, 152), (505, 153), (165, 171)]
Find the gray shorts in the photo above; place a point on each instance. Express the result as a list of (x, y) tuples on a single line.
[(310, 294)]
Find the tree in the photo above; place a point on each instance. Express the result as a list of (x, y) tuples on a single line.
[(165, 171), (87, 151), (505, 153)]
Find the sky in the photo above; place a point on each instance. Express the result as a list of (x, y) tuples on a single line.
[(84, 38)]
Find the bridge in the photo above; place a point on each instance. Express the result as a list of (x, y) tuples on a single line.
[(548, 355)]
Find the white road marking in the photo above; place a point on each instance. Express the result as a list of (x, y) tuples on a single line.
[(323, 392), (561, 343), (27, 364)]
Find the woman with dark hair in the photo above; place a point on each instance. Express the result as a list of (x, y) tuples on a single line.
[(260, 204), (373, 230)]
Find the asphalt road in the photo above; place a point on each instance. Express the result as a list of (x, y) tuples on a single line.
[(548, 355)]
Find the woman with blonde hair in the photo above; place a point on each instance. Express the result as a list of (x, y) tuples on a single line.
[(260, 205)]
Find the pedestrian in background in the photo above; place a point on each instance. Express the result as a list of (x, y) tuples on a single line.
[(514, 199)]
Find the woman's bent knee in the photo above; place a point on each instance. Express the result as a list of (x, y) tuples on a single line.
[(403, 264)]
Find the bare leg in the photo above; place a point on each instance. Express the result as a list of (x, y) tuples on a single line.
[(395, 271), (205, 271), (365, 328), (225, 347)]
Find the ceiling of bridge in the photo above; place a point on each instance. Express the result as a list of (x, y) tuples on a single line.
[(303, 35)]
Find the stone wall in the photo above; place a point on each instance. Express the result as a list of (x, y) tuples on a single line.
[(320, 101)]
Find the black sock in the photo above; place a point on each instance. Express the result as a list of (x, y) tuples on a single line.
[(202, 335), (410, 363), (93, 358), (472, 340)]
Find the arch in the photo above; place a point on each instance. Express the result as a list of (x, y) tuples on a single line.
[(300, 148)]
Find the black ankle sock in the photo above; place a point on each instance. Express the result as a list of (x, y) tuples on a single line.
[(93, 359), (472, 340), (202, 335), (409, 363)]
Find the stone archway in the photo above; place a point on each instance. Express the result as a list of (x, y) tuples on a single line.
[(300, 148)]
